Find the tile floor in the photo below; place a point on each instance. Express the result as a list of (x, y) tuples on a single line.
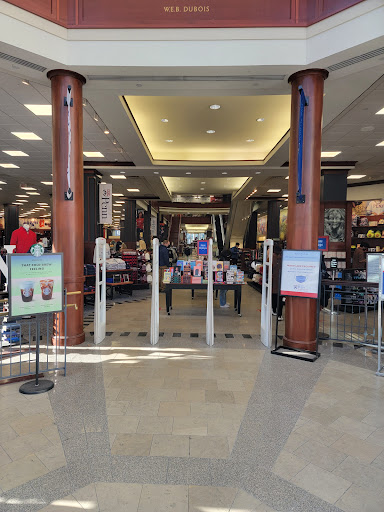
[(185, 427)]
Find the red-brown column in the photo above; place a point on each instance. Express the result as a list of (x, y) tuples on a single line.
[(68, 215), (303, 219)]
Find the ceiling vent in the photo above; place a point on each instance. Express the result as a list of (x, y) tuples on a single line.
[(356, 60), (22, 62), (232, 78)]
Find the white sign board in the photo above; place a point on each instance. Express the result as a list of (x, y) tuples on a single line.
[(300, 273), (105, 202), (154, 225)]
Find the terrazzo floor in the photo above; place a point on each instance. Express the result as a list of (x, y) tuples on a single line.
[(183, 427)]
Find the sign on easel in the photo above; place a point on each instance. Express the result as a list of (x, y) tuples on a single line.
[(300, 273)]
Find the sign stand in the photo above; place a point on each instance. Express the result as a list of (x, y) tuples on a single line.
[(210, 328), (155, 319), (37, 386), (266, 295), (100, 291), (288, 287)]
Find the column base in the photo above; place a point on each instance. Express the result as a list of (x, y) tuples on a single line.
[(300, 345), (76, 339)]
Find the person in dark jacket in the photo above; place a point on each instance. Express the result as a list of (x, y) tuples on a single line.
[(163, 262), (224, 256)]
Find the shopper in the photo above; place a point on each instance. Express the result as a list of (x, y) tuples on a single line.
[(235, 253), (187, 251), (359, 257), (277, 301), (163, 262), (224, 256), (172, 254)]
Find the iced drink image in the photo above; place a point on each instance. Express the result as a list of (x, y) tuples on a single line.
[(26, 290), (46, 288)]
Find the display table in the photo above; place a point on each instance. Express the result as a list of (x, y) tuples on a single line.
[(216, 286)]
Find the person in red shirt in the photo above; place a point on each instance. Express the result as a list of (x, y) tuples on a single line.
[(23, 238)]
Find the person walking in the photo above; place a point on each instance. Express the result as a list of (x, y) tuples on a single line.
[(235, 252), (359, 259), (224, 256), (163, 262)]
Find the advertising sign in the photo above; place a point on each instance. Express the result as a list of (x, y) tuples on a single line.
[(323, 243), (300, 273), (373, 267), (35, 284), (105, 200), (202, 248)]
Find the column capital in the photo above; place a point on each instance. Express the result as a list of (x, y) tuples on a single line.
[(66, 72), (306, 72)]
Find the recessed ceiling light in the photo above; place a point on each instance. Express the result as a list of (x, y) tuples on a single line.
[(118, 195), (202, 188), (33, 193), (224, 173), (9, 166), (356, 176), (188, 173), (169, 140), (96, 117), (215, 107), (106, 131), (26, 135), (202, 182), (258, 172), (285, 195), (47, 182), (380, 143), (329, 154), (250, 140), (23, 200), (211, 131), (103, 183), (367, 128), (15, 153), (260, 119), (93, 154), (40, 110), (21, 195), (155, 172), (274, 190), (380, 112), (25, 82), (164, 120), (114, 142), (27, 188), (286, 200), (287, 177), (43, 204), (118, 177), (133, 190)]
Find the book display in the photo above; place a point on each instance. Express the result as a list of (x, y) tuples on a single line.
[(196, 272)]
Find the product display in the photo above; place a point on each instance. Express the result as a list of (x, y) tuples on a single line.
[(196, 272)]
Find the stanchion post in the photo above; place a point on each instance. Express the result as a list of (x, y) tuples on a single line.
[(380, 369), (155, 315), (266, 295), (210, 329)]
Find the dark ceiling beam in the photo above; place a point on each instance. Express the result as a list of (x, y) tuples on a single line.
[(189, 206)]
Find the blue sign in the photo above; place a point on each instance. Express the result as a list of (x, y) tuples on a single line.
[(322, 243), (202, 248)]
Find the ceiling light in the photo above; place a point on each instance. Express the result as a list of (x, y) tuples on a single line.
[(21, 195), (27, 188), (380, 112), (329, 154), (93, 154), (47, 182), (202, 188), (23, 200), (380, 143), (155, 172), (164, 120), (118, 176), (202, 182), (2, 183), (15, 153), (188, 173), (211, 131), (250, 140), (260, 119), (133, 190), (287, 177), (9, 166), (285, 195), (103, 183), (118, 195), (33, 193), (85, 102), (25, 82), (114, 142), (26, 135), (40, 110), (286, 200), (95, 117), (43, 204), (258, 172), (224, 173), (106, 131), (215, 107), (169, 140), (274, 190), (356, 176)]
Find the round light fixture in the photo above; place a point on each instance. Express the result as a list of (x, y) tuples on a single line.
[(224, 173), (202, 188), (188, 173), (169, 140), (211, 131), (85, 103), (215, 107), (106, 131), (164, 120), (114, 142), (96, 117), (250, 140), (260, 119), (202, 182)]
